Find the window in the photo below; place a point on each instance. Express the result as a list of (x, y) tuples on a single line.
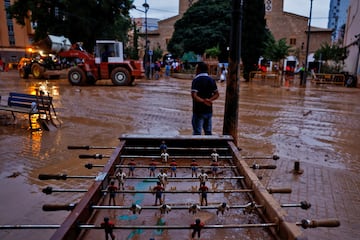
[(292, 41)]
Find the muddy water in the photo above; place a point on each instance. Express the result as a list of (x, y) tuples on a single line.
[(317, 125)]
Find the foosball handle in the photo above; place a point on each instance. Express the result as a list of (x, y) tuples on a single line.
[(332, 222), (58, 207), (279, 190)]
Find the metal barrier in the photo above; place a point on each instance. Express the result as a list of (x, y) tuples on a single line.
[(327, 78), (259, 75)]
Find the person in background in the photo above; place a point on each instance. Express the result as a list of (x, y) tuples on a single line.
[(203, 92)]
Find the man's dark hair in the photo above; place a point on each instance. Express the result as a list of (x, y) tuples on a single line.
[(202, 67)]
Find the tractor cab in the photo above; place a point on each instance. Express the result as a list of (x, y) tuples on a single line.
[(108, 51)]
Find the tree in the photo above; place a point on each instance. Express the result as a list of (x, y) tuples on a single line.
[(275, 50), (253, 35), (75, 19), (333, 56), (207, 24)]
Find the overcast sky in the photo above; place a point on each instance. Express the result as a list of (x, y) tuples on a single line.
[(162, 9)]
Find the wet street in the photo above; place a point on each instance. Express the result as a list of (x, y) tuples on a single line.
[(319, 126)]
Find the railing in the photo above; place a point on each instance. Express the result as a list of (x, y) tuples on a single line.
[(259, 75), (327, 78)]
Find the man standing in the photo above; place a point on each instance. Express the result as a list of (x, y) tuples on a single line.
[(203, 92)]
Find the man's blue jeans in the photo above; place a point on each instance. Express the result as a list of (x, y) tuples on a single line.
[(202, 121)]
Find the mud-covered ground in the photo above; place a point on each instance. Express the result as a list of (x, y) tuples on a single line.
[(319, 126)]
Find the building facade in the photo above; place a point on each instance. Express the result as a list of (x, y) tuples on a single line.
[(352, 39), (282, 24), (14, 38), (337, 18)]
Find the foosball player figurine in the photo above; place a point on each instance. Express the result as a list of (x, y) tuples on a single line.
[(214, 168), (196, 227), (203, 194), (121, 176), (222, 207), (249, 207), (152, 168), (203, 177), (194, 167), (173, 166), (108, 227), (131, 165), (162, 176), (135, 208), (164, 156), (164, 209), (214, 156), (163, 147), (158, 190), (112, 192), (194, 208)]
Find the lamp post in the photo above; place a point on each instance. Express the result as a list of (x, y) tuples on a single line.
[(146, 55), (303, 80)]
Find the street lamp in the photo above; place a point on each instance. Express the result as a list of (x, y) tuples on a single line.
[(146, 55), (303, 80)]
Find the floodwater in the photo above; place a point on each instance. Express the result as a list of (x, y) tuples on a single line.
[(319, 126)]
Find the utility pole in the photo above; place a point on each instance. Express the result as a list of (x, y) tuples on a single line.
[(233, 81), (303, 80)]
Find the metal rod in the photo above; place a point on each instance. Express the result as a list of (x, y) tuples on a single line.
[(64, 177), (90, 166), (61, 177), (305, 223), (101, 156), (94, 156), (186, 191), (273, 157), (68, 207), (255, 225), (88, 226), (50, 190), (258, 166), (87, 147), (187, 178), (29, 226), (176, 157), (179, 148)]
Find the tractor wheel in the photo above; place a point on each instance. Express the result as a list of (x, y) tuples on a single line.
[(23, 73), (37, 70), (77, 76), (120, 77)]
